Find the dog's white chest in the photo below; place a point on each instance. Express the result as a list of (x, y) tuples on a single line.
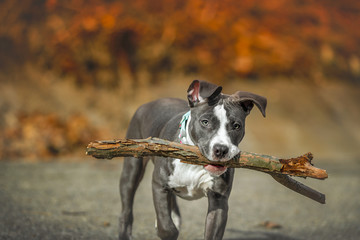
[(190, 181)]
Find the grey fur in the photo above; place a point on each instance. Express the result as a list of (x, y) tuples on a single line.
[(161, 118)]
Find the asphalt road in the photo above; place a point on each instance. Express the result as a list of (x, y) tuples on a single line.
[(80, 200)]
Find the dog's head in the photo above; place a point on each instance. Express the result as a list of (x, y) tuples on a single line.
[(218, 120)]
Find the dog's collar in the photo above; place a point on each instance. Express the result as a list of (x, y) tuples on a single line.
[(182, 127)]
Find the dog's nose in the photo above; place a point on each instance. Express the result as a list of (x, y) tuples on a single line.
[(220, 150)]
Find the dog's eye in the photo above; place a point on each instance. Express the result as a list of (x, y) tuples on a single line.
[(205, 123), (236, 126)]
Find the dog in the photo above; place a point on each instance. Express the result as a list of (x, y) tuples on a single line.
[(210, 120)]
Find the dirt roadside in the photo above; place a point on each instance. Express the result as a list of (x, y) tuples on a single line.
[(80, 200), (301, 116)]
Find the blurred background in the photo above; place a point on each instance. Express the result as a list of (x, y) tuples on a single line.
[(73, 71)]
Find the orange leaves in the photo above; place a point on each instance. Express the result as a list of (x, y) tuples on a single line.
[(90, 24), (108, 21), (262, 38), (243, 65), (50, 4), (40, 135), (100, 16)]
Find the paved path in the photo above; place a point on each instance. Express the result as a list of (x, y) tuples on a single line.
[(79, 200)]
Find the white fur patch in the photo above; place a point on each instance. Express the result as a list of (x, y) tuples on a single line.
[(187, 139), (190, 181), (222, 137), (176, 219)]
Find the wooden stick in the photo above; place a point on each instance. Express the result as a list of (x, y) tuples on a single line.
[(277, 168), (300, 166), (299, 188)]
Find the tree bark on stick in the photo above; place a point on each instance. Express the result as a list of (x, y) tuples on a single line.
[(277, 168)]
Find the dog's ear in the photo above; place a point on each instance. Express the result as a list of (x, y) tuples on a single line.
[(247, 101), (203, 92)]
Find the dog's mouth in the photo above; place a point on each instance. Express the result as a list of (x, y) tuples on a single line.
[(219, 169), (215, 169)]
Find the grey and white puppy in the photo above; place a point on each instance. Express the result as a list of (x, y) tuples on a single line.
[(214, 122)]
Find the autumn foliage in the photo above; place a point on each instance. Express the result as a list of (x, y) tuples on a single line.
[(39, 135), (103, 42), (121, 45)]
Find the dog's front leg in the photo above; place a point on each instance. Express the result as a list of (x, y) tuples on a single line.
[(217, 216), (166, 228)]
